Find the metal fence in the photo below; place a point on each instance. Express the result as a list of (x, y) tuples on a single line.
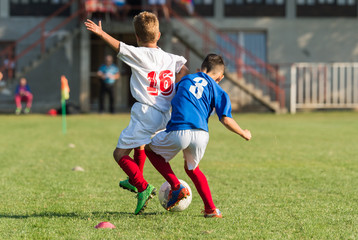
[(324, 86)]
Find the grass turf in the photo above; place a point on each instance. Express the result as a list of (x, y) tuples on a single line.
[(296, 179)]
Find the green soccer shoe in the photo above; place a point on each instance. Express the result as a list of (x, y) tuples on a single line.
[(143, 198), (126, 185), (18, 111)]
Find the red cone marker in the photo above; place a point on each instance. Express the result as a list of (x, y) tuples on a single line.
[(105, 225)]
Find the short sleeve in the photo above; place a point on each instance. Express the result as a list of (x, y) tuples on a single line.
[(128, 53), (222, 104), (101, 69), (115, 69), (179, 63)]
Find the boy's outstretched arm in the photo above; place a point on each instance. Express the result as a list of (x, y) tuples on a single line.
[(97, 29), (183, 71), (232, 125)]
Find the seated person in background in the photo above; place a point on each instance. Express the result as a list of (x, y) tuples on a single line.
[(121, 8), (23, 94), (100, 9), (119, 3), (132, 8), (155, 4), (189, 5)]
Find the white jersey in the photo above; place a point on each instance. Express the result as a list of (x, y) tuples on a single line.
[(153, 74)]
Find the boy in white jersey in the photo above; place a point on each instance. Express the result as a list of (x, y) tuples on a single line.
[(154, 73)]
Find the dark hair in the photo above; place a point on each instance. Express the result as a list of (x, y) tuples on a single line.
[(211, 61)]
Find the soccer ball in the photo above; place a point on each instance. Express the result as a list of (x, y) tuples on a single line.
[(163, 197)]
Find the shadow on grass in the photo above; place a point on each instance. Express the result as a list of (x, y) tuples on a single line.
[(79, 215)]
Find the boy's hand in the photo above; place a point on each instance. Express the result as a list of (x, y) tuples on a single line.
[(96, 29), (232, 125), (247, 135)]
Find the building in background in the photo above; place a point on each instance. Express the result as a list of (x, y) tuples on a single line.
[(259, 39)]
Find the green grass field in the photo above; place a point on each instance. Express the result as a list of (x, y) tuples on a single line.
[(296, 179)]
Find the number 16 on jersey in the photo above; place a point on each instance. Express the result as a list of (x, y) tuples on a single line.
[(165, 82)]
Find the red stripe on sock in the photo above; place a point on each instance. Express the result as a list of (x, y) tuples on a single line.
[(131, 168), (139, 158), (202, 186), (164, 169)]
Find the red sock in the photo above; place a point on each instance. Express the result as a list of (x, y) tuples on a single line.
[(139, 157), (132, 170), (202, 187), (163, 168)]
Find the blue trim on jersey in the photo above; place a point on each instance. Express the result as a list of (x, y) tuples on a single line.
[(196, 97)]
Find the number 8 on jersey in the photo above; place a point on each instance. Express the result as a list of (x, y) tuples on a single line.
[(198, 88)]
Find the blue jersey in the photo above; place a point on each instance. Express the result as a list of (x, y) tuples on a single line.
[(196, 97), (106, 70)]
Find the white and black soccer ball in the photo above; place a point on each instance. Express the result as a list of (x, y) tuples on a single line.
[(163, 197)]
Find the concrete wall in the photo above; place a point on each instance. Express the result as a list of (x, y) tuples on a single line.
[(302, 40), (298, 40), (44, 80), (71, 60), (14, 28), (289, 40)]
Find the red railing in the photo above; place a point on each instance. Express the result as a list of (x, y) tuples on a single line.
[(271, 80), (9, 52)]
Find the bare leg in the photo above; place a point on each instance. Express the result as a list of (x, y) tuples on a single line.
[(119, 153)]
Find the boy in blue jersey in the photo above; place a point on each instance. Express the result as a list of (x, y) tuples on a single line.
[(197, 95)]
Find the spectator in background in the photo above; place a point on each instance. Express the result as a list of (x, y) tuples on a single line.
[(9, 68), (122, 7), (189, 6), (119, 3), (23, 94), (3, 89), (154, 4), (2, 84), (100, 9), (108, 74), (133, 7)]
